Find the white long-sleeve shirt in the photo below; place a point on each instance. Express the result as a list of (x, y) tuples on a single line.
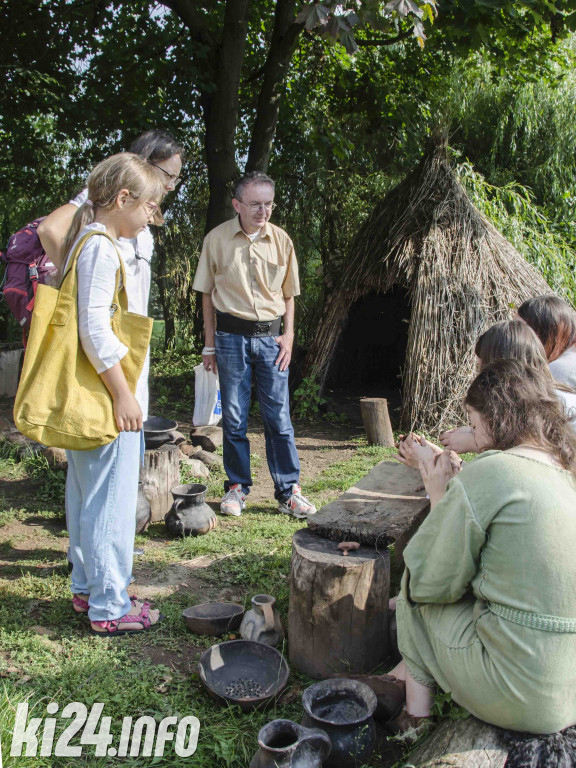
[(96, 268)]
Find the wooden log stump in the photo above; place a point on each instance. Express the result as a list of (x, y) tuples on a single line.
[(466, 743), (338, 615), (160, 473), (377, 421)]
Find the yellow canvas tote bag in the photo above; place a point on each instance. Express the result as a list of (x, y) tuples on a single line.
[(61, 400)]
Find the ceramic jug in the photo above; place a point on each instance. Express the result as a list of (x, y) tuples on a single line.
[(190, 515), (343, 709), (262, 623), (284, 744)]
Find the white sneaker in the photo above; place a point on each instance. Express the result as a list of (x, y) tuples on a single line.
[(233, 501), (297, 505)]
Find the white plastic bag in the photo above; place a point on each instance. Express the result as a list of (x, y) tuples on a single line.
[(207, 404)]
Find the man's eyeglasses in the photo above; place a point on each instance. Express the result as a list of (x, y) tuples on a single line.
[(255, 207), (175, 180)]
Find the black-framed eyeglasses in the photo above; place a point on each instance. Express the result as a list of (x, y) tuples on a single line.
[(173, 179)]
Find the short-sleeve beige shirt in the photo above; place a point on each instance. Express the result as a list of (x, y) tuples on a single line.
[(248, 279)]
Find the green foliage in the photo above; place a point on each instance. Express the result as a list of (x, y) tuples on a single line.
[(445, 707), (307, 400), (513, 211)]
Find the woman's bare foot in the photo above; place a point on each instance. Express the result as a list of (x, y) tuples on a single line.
[(124, 626)]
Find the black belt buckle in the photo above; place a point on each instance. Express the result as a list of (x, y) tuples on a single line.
[(262, 328)]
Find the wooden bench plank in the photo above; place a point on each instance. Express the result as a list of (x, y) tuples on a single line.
[(384, 507)]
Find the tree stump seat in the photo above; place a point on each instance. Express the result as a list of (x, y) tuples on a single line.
[(338, 613)]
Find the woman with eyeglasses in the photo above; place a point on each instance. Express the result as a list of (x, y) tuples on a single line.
[(163, 152)]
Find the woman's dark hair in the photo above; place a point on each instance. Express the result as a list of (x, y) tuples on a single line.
[(553, 321), (518, 404), (157, 146), (511, 339)]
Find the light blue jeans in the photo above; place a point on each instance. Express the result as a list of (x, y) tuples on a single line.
[(101, 498), (239, 358)]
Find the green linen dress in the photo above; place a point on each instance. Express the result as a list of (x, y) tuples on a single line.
[(487, 608)]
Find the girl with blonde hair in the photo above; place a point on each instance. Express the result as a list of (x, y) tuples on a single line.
[(124, 194)]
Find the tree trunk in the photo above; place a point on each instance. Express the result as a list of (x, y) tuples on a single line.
[(164, 291), (338, 616), (284, 37), (220, 109)]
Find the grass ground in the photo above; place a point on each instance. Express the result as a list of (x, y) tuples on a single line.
[(47, 654)]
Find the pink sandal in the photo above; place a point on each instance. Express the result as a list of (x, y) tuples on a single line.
[(81, 606), (111, 627)]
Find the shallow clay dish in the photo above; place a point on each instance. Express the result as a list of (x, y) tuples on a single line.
[(213, 618), (243, 672)]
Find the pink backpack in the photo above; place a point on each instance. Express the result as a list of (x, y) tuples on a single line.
[(26, 266)]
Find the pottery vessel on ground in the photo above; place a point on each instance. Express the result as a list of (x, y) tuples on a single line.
[(190, 515), (262, 623), (284, 744), (344, 709)]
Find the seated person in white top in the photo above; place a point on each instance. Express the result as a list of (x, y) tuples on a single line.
[(554, 322)]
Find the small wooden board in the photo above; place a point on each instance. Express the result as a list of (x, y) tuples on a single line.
[(384, 507)]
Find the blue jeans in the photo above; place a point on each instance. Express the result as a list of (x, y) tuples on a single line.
[(101, 498), (238, 358)]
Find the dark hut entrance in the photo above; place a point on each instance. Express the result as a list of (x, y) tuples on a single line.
[(371, 352)]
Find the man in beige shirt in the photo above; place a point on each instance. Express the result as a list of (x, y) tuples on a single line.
[(248, 276)]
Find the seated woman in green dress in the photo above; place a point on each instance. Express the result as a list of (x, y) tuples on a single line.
[(487, 609)]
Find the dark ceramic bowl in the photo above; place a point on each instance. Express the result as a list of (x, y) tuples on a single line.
[(158, 431), (213, 618), (243, 672)]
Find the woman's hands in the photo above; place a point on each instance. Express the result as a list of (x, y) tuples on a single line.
[(436, 471), (415, 448), (127, 413), (460, 439)]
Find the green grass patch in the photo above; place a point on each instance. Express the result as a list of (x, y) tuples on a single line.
[(48, 655)]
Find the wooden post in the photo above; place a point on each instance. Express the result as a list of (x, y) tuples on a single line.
[(377, 421), (161, 471), (338, 614)]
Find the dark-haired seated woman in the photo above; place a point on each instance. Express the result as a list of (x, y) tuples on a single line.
[(554, 322), (487, 609)]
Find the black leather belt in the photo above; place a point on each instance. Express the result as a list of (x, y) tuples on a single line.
[(232, 324)]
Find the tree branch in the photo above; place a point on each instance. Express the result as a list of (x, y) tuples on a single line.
[(194, 21), (384, 40), (284, 37)]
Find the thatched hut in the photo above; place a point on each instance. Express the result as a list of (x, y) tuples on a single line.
[(427, 274)]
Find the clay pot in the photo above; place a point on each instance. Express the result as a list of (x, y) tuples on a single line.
[(344, 709), (262, 624), (190, 515), (284, 744), (143, 510)]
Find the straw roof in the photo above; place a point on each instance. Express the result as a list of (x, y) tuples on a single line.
[(461, 275)]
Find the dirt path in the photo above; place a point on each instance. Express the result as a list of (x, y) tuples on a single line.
[(43, 541), (318, 447)]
